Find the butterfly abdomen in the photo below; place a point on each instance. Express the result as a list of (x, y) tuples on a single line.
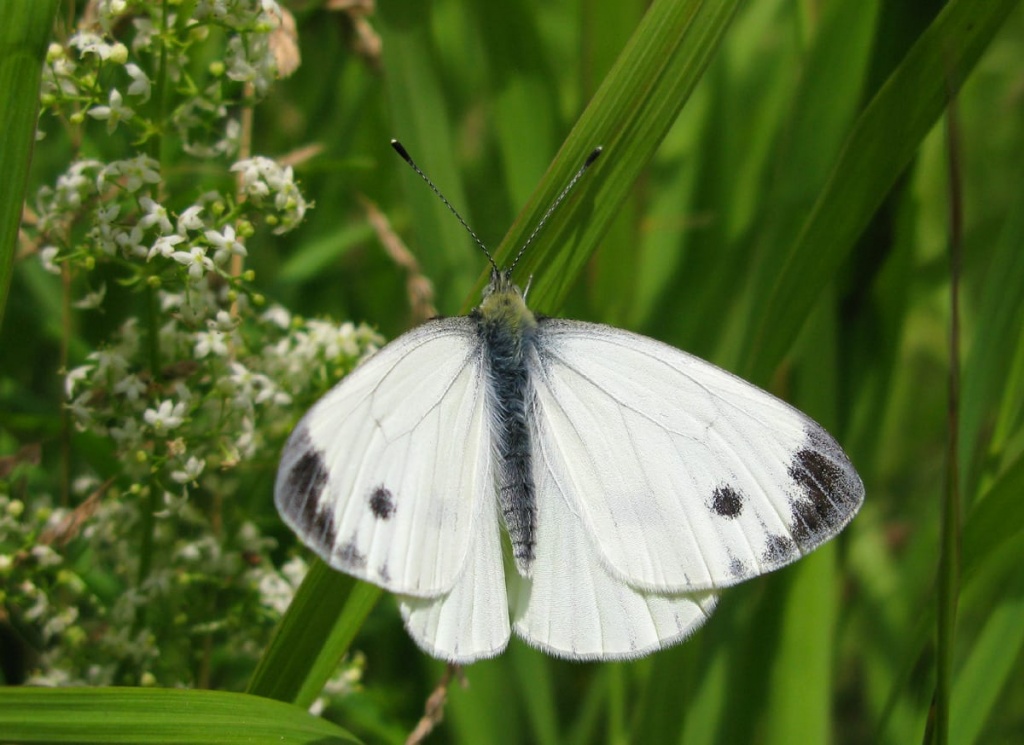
[(507, 330)]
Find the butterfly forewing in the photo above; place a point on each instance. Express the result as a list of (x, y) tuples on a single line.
[(386, 475), (683, 476)]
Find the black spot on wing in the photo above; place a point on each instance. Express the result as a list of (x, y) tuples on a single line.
[(349, 555), (829, 492), (778, 550), (382, 503), (726, 502), (737, 568)]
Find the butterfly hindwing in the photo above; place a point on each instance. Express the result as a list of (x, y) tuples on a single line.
[(386, 476), (471, 621), (685, 477), (572, 605)]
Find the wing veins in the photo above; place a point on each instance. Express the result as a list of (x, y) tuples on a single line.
[(718, 399), (615, 572)]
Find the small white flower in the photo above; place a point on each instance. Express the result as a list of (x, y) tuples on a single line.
[(223, 321), (130, 241), (210, 341), (114, 113), (110, 11), (45, 556), (130, 386), (295, 570), (226, 243), (190, 472), (59, 622), (128, 435), (82, 413), (170, 300), (47, 255), (137, 171), (110, 361), (173, 505), (166, 416), (164, 246), (74, 377), (106, 214), (88, 42), (278, 316), (195, 259), (141, 85), (190, 220), (93, 299), (252, 170), (274, 591), (156, 214)]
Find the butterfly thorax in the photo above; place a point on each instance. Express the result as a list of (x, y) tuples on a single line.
[(507, 331)]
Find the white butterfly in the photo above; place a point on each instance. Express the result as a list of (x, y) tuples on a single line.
[(633, 481)]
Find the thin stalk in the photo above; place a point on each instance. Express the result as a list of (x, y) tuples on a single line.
[(949, 560), (149, 506)]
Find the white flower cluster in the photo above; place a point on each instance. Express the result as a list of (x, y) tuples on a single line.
[(86, 639), (128, 222), (186, 404), (267, 183), (71, 70), (213, 398)]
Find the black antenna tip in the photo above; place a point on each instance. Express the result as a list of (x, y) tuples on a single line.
[(586, 164), (400, 149)]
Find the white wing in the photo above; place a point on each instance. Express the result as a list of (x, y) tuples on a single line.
[(388, 476), (684, 476), (471, 621), (572, 606)]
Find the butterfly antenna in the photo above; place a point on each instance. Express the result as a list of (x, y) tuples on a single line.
[(554, 205), (400, 149)]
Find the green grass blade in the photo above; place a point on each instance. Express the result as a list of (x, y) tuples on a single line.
[(23, 38), (883, 141), (997, 519), (316, 631), (534, 676), (989, 361), (993, 661), (417, 96), (629, 115), (144, 715)]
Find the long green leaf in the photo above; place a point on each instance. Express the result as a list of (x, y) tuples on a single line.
[(155, 715), (629, 115), (993, 660), (23, 37), (883, 141)]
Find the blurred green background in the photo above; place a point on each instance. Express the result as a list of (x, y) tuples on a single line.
[(788, 219)]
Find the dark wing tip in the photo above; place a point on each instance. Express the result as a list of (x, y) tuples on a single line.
[(828, 491), (299, 490)]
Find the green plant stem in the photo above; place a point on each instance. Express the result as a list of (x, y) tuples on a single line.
[(949, 559), (160, 93)]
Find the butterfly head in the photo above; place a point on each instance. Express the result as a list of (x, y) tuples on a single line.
[(501, 283), (504, 302)]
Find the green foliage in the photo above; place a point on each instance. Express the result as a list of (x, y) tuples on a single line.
[(140, 715), (774, 195)]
